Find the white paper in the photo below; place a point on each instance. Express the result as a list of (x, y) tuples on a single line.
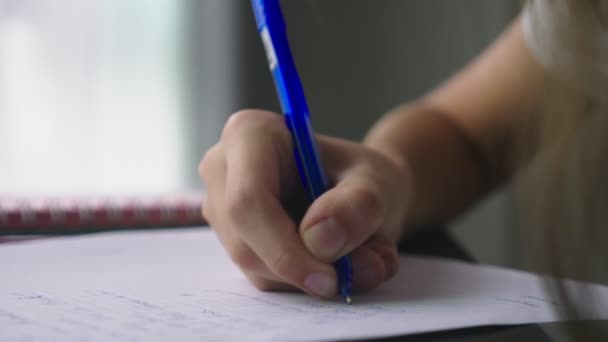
[(180, 285)]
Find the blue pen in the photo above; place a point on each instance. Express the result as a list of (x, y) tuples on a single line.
[(271, 27)]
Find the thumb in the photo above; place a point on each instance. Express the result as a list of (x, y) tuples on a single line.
[(343, 218)]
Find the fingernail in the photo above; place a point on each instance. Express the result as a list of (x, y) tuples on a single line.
[(322, 284), (325, 240)]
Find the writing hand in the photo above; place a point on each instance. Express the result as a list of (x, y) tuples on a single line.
[(255, 195)]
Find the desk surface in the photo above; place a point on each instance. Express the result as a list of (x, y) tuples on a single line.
[(437, 242)]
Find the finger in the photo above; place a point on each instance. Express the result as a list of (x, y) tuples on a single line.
[(264, 139), (254, 177), (240, 253), (247, 260), (387, 251), (250, 264), (254, 268), (369, 269), (267, 229), (343, 218), (212, 171), (265, 284)]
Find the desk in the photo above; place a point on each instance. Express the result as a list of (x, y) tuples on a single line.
[(437, 242)]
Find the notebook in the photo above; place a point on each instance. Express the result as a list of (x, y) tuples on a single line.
[(65, 215), (179, 285)]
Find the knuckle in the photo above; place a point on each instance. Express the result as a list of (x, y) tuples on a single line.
[(209, 162), (206, 212), (238, 119), (243, 256), (246, 117), (366, 201), (387, 251), (239, 202), (268, 122), (281, 264)]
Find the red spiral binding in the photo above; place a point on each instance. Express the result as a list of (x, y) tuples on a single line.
[(60, 215)]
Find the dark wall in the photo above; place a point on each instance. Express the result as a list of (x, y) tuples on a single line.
[(359, 58)]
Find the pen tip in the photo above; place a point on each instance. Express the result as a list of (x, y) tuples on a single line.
[(348, 300)]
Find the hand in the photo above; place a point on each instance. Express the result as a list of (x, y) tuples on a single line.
[(255, 199)]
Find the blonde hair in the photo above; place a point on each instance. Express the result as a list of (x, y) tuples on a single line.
[(562, 191)]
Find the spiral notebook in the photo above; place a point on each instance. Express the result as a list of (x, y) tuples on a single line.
[(67, 215)]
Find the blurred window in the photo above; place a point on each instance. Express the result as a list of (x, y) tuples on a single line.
[(91, 96)]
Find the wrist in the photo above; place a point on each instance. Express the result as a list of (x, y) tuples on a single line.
[(447, 169), (380, 137), (400, 187)]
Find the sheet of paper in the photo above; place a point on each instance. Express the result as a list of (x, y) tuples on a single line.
[(180, 285)]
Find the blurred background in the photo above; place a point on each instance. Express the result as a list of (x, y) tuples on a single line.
[(125, 96)]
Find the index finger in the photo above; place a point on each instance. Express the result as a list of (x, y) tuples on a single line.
[(256, 169)]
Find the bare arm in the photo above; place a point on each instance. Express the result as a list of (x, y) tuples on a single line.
[(427, 161), (457, 141)]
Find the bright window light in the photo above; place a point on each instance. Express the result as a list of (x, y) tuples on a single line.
[(90, 98)]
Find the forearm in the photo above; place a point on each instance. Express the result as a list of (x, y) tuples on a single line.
[(458, 142), (449, 171)]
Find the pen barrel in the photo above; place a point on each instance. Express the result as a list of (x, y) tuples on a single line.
[(293, 102), (345, 275), (291, 96), (268, 12), (306, 154)]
